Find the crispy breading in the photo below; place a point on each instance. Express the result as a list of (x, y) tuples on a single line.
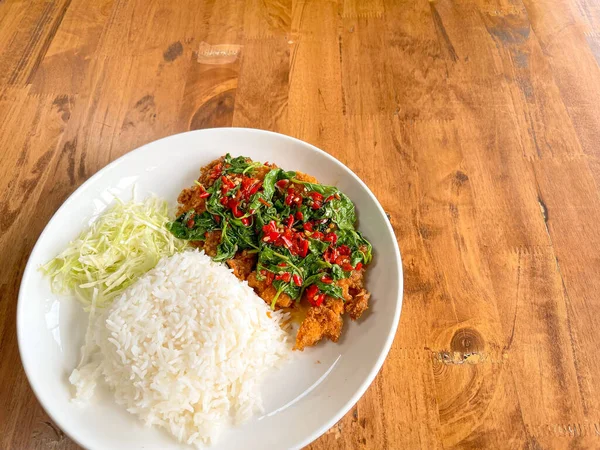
[(267, 292), (242, 264), (305, 177), (323, 321), (205, 172), (189, 198), (355, 296)]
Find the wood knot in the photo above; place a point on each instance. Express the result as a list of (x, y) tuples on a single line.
[(467, 340)]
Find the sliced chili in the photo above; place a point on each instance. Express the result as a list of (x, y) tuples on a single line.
[(285, 277), (297, 280), (290, 221), (203, 193), (227, 182), (303, 248), (347, 267), (331, 237), (326, 279), (319, 300), (317, 235)]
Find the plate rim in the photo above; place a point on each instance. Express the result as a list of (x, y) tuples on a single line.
[(365, 384)]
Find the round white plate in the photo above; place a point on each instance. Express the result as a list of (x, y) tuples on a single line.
[(304, 399)]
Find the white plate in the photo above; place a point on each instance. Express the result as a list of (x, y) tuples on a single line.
[(304, 399)]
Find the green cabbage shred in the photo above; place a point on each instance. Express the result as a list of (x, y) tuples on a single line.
[(125, 241)]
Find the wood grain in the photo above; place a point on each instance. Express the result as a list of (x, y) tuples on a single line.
[(476, 124)]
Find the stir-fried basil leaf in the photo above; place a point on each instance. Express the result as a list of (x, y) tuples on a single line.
[(200, 224), (323, 189), (240, 164), (334, 213), (228, 246)]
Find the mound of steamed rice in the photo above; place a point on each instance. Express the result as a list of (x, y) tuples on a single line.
[(185, 348)]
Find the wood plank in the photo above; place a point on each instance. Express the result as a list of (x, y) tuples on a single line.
[(315, 97), (23, 172), (261, 99), (27, 38), (65, 65)]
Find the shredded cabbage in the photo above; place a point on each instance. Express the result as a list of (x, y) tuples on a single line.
[(125, 241)]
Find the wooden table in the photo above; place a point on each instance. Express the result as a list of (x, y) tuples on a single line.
[(476, 123)]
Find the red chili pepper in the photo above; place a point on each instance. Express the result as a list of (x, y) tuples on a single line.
[(315, 196), (288, 243), (358, 266), (246, 221), (317, 235), (308, 226), (319, 300), (347, 267), (190, 223), (269, 277), (233, 205), (328, 199), (216, 171), (312, 290), (290, 221), (250, 186), (341, 259), (317, 199), (297, 280), (289, 199), (299, 216), (314, 296), (224, 201), (271, 236), (331, 237), (203, 193), (303, 248), (331, 255), (344, 250), (285, 277), (326, 279), (227, 182), (282, 184), (271, 226), (254, 189), (282, 264), (247, 182)]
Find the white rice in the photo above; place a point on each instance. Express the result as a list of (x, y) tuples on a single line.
[(185, 348)]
